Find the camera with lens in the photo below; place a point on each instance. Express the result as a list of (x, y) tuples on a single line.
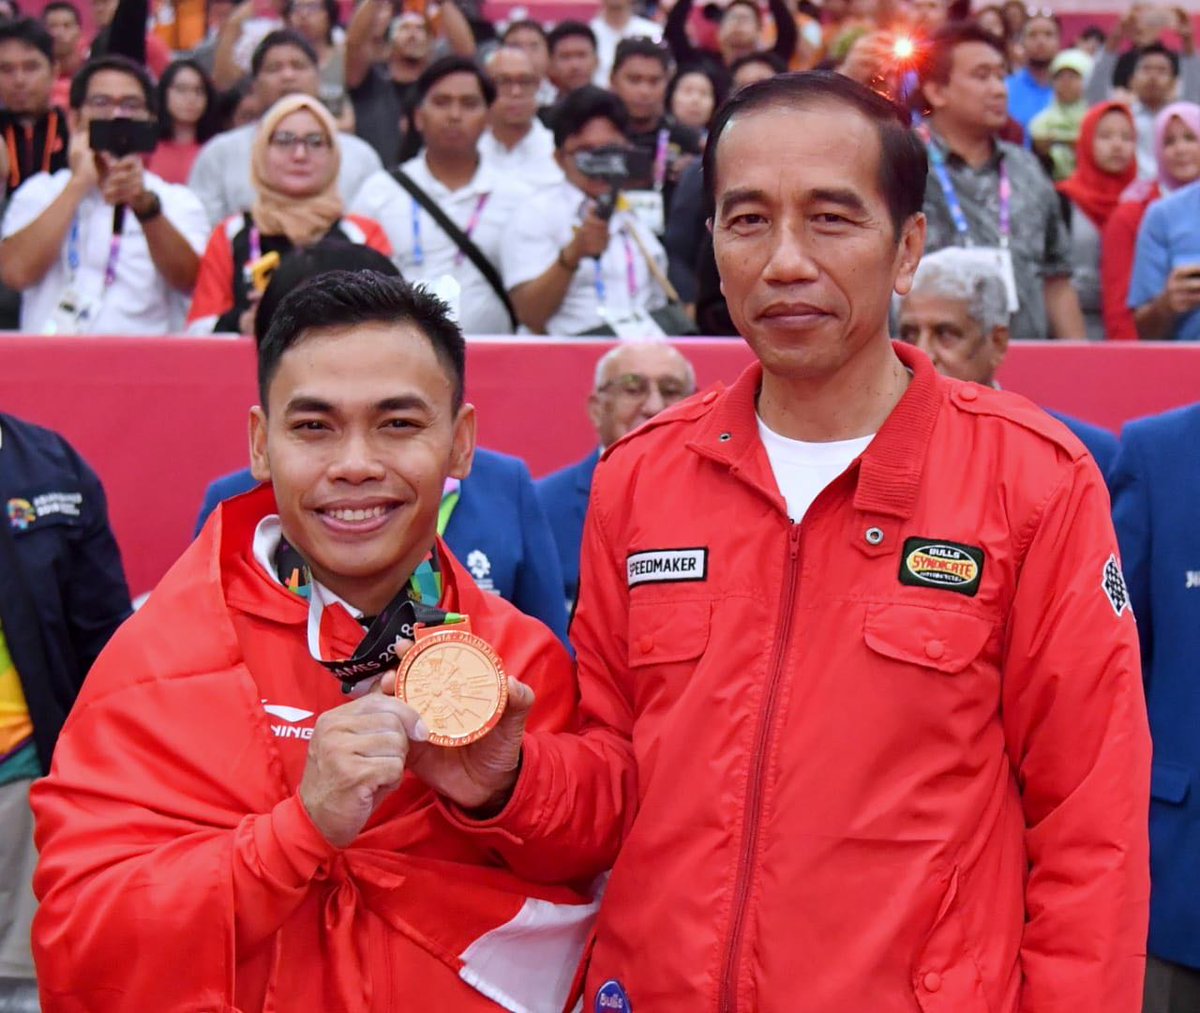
[(619, 168), (122, 136)]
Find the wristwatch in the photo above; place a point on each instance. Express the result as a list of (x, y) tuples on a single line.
[(148, 207)]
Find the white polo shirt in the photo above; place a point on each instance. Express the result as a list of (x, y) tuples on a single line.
[(608, 37), (531, 159), (623, 282), (139, 302), (484, 209)]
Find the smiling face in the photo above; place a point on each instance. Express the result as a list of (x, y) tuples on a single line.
[(804, 243), (358, 438), (299, 155), (1115, 144)]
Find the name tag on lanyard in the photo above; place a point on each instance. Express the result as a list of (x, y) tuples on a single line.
[(74, 312)]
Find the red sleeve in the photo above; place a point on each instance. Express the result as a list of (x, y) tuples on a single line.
[(1075, 727), (373, 234), (1118, 242), (213, 295)]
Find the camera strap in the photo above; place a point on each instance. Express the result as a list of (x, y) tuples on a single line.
[(460, 239)]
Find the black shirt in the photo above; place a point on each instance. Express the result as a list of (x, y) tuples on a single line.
[(681, 140), (381, 111), (37, 145)]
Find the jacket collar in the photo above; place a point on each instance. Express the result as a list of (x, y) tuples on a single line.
[(889, 471)]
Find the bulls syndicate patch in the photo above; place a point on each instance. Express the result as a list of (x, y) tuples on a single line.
[(611, 997), (667, 566), (945, 566)]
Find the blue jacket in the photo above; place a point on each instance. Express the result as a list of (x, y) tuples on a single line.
[(497, 531), (1100, 442), (564, 495), (1156, 489), (62, 586)]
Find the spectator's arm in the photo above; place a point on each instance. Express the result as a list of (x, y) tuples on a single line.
[(127, 33), (226, 72), (1100, 80), (1062, 309), (675, 33), (360, 43), (457, 30), (786, 35), (26, 255), (173, 255)]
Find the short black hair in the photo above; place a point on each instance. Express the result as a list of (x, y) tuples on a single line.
[(764, 56), (62, 5), (303, 264), (121, 64), (526, 24), (903, 162), (1093, 32), (32, 33), (447, 65), (569, 30), (627, 49), (1158, 49), (347, 298), (743, 3), (332, 15), (277, 38), (937, 60), (210, 120), (583, 105)]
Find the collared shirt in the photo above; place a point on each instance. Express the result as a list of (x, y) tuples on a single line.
[(1026, 97), (546, 224), (140, 301), (1039, 241), (608, 38), (484, 209), (530, 160), (1168, 238)]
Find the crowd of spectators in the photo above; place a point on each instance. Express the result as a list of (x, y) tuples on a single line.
[(546, 178)]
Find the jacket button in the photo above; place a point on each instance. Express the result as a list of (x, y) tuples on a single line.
[(646, 644), (935, 649), (709, 398), (968, 393), (932, 981)]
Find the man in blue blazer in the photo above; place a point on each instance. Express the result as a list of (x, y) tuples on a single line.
[(633, 383), (1156, 493), (496, 528), (957, 314)]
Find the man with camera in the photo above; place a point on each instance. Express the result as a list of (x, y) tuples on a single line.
[(577, 259), (104, 247)]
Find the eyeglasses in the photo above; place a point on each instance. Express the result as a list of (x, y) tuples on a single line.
[(106, 104), (636, 387), (286, 140), (518, 82)]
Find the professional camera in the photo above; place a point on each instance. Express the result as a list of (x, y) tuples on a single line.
[(620, 168), (122, 136)]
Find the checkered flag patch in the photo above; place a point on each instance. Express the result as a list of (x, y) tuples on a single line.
[(1113, 583)]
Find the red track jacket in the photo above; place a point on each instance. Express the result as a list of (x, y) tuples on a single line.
[(180, 871), (891, 759)]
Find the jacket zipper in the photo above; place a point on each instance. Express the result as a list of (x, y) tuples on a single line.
[(754, 792)]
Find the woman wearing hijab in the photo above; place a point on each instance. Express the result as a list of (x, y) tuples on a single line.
[(1106, 163), (1177, 149), (294, 167)]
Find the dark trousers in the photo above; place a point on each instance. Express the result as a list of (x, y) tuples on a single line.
[(1171, 988)]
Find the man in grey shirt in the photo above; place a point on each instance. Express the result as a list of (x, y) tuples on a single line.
[(983, 192), (283, 64)]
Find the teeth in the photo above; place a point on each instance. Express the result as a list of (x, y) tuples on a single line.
[(357, 515)]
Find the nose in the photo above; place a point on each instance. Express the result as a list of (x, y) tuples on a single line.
[(654, 402), (790, 260), (924, 341), (355, 462)]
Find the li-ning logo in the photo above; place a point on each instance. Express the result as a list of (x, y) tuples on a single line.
[(293, 716), (946, 566), (667, 566)]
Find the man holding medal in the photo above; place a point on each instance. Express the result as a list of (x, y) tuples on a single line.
[(232, 819), (862, 725)]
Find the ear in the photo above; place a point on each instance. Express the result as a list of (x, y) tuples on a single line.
[(998, 346), (595, 410), (419, 119), (908, 253), (935, 94), (260, 462), (560, 159), (462, 449)]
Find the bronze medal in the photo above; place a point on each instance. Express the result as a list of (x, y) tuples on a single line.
[(455, 681)]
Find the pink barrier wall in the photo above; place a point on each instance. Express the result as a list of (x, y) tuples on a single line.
[(159, 418)]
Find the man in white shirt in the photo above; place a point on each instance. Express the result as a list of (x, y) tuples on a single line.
[(516, 143), (84, 268), (567, 268), (614, 22), (453, 97), (283, 64)]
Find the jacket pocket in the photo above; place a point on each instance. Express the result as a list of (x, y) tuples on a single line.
[(946, 978), (662, 632), (931, 638), (1170, 782)]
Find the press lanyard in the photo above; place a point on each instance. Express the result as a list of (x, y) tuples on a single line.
[(418, 248), (255, 245), (73, 258), (660, 158), (961, 225), (630, 272)]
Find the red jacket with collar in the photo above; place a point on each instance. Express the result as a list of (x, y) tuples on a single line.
[(180, 871), (828, 788)]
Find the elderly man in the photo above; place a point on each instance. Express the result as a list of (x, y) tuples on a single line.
[(517, 143), (634, 383), (957, 314)]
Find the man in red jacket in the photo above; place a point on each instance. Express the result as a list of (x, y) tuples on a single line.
[(223, 825), (862, 720)]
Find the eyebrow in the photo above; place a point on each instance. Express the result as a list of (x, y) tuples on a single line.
[(840, 196), (304, 403)]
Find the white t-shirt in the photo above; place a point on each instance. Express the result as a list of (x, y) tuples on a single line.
[(530, 160), (803, 470), (139, 301), (484, 209), (608, 37), (545, 224)]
